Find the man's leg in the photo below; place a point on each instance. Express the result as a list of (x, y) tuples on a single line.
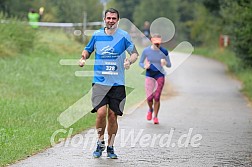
[(112, 127), (101, 122), (112, 130), (100, 126)]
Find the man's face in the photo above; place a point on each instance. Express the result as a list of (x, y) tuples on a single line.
[(111, 20)]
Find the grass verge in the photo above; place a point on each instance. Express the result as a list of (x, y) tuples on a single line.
[(34, 90)]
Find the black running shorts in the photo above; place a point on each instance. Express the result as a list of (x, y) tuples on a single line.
[(114, 96)]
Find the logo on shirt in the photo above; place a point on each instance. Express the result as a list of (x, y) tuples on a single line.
[(108, 50)]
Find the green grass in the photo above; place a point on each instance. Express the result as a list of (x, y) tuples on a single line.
[(34, 90), (15, 37), (234, 65)]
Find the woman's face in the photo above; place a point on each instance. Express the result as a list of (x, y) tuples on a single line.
[(156, 41)]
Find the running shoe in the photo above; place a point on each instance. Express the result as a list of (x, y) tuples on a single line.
[(155, 120), (111, 153), (149, 115), (100, 148)]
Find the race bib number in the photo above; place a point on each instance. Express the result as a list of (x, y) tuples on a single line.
[(110, 68)]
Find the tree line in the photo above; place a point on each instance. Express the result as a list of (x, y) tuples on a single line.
[(199, 21)]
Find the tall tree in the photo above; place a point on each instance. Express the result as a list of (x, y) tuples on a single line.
[(186, 11), (149, 10), (15, 8), (72, 11), (204, 29), (213, 6), (239, 27), (126, 8)]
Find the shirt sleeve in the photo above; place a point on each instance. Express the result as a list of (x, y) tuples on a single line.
[(167, 58), (130, 47), (142, 58), (91, 45)]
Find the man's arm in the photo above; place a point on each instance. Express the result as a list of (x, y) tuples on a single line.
[(131, 60), (84, 55), (134, 55)]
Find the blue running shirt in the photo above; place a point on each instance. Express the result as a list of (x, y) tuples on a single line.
[(109, 56), (154, 57)]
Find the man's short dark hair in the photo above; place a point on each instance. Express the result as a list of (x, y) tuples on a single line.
[(112, 10)]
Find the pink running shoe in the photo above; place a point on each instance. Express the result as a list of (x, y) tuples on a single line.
[(155, 120), (149, 115)]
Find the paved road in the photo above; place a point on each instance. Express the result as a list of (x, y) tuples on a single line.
[(205, 121)]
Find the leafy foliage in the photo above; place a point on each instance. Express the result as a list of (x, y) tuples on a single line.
[(149, 10), (127, 8), (239, 27)]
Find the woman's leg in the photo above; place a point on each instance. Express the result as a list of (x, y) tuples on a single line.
[(150, 85), (149, 89), (157, 94)]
